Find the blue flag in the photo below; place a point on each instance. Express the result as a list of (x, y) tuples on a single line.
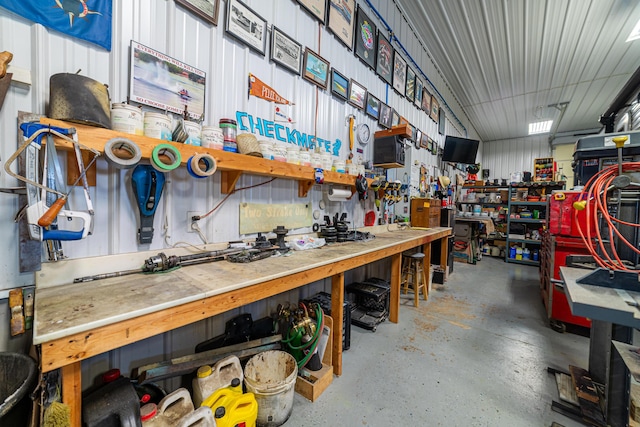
[(89, 20)]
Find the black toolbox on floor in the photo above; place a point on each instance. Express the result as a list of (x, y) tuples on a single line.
[(370, 302), (324, 299)]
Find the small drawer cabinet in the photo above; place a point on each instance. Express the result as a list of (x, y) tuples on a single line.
[(425, 212)]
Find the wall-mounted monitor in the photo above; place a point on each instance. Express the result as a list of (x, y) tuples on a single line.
[(460, 150)]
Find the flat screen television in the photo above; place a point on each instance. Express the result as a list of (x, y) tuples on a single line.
[(460, 150)]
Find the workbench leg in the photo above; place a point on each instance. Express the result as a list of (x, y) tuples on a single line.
[(71, 391), (426, 250), (337, 312), (394, 300), (444, 254)]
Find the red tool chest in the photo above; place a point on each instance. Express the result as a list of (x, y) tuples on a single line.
[(554, 252), (562, 239)]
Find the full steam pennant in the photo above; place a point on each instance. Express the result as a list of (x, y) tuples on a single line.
[(258, 88), (89, 20)]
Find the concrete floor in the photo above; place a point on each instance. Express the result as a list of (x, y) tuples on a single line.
[(475, 354)]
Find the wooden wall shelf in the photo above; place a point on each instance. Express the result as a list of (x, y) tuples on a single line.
[(230, 165)]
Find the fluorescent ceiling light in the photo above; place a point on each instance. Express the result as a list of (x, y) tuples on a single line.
[(540, 127), (635, 34)]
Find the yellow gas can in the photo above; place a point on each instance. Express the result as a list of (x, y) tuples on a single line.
[(232, 408)]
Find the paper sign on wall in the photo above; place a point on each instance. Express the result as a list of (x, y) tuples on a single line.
[(260, 218)]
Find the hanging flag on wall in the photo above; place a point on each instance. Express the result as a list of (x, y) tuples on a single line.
[(89, 20), (261, 90)]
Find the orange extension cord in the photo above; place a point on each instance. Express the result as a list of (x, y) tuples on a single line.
[(596, 190)]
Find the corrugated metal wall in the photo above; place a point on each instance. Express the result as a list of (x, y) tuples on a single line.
[(513, 155), (167, 28)]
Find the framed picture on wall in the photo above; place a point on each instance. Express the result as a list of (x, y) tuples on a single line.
[(435, 108), (207, 10), (426, 102), (410, 85), (341, 20), (316, 68), (399, 73), (384, 59), (418, 92), (373, 106), (246, 26), (385, 116), (357, 94), (339, 85), (395, 118), (441, 122), (317, 8), (183, 86), (424, 142), (365, 39), (285, 51), (416, 138)]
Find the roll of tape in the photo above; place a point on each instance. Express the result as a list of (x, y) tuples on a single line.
[(169, 151), (112, 152), (194, 165)]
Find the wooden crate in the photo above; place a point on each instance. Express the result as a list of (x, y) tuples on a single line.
[(316, 382), (403, 130)]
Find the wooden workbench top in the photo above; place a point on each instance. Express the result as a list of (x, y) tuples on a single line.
[(69, 309)]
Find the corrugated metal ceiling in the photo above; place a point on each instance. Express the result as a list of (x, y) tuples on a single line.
[(508, 61)]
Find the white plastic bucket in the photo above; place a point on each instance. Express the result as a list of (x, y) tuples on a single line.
[(212, 137), (127, 118), (339, 166), (193, 130), (280, 152), (271, 377), (305, 158), (157, 125)]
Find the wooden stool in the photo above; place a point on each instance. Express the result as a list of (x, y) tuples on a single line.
[(413, 272)]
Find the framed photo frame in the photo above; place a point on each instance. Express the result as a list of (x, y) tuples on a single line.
[(426, 102), (385, 115), (316, 8), (399, 73), (416, 138), (246, 26), (424, 142), (341, 20), (410, 85), (339, 85), (434, 147), (435, 108), (285, 51), (418, 92), (441, 122), (207, 10), (373, 106), (365, 39), (384, 59), (395, 118), (183, 86), (357, 94), (315, 68)]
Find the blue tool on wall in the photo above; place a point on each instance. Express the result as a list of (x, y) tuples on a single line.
[(148, 184)]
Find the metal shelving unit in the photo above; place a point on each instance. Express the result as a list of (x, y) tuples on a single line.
[(515, 206)]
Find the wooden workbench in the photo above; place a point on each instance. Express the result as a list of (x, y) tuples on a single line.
[(74, 322)]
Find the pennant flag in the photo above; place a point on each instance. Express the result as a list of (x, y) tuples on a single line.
[(261, 90), (89, 20)]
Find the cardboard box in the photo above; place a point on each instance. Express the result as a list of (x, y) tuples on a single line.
[(311, 384)]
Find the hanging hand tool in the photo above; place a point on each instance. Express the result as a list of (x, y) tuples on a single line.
[(39, 215), (148, 184)]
